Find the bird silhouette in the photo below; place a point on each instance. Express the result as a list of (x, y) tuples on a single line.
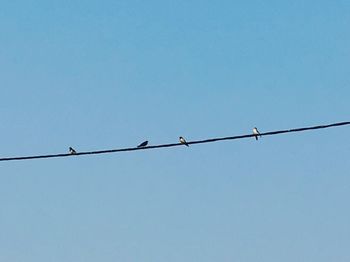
[(183, 141), (256, 133), (143, 144), (72, 151)]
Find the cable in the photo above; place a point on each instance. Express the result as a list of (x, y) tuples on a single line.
[(176, 144)]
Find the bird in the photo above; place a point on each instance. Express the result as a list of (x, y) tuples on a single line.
[(183, 141), (256, 133), (72, 151), (143, 144)]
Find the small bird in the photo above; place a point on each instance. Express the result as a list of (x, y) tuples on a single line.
[(143, 144), (256, 133), (183, 141), (72, 151)]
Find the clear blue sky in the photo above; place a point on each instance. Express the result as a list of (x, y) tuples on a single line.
[(108, 74)]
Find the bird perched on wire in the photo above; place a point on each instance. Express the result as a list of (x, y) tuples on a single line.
[(183, 141), (143, 144), (72, 151), (256, 133)]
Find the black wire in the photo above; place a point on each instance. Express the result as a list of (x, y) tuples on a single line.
[(176, 144)]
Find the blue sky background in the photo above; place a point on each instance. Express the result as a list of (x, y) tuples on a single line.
[(109, 74)]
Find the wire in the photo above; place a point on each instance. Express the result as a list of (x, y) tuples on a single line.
[(271, 133)]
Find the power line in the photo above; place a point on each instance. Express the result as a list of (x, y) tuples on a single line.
[(271, 133)]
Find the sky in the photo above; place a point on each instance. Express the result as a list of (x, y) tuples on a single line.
[(108, 74)]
